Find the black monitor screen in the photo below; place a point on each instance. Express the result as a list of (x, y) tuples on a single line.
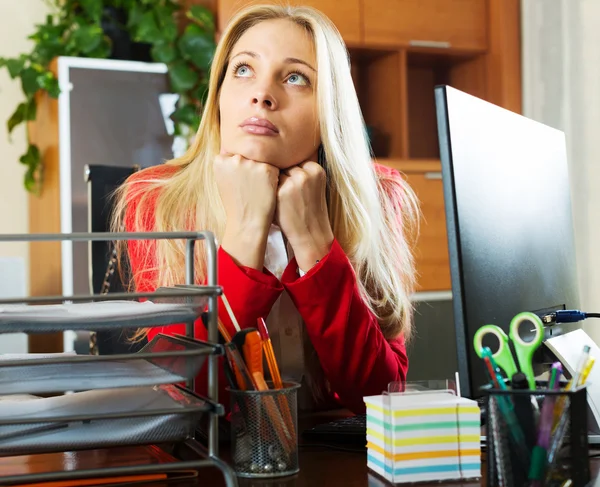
[(508, 211)]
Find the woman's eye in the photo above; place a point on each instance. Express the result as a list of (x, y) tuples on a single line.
[(298, 79), (243, 71)]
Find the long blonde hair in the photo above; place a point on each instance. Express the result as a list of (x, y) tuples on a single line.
[(374, 218)]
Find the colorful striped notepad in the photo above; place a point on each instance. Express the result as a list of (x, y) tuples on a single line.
[(423, 436)]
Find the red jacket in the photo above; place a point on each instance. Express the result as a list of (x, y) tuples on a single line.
[(356, 358)]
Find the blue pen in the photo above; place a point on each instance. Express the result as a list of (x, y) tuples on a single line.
[(538, 459), (507, 409)]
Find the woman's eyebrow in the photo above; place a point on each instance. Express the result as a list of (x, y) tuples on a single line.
[(288, 60), (247, 53), (295, 60)]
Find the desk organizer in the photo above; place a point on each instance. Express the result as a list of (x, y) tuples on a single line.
[(423, 436), (567, 458), (114, 400)]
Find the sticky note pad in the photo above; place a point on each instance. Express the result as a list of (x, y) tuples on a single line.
[(425, 436)]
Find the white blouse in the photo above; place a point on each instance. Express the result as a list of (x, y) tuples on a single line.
[(284, 321)]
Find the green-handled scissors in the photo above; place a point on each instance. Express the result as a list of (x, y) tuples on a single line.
[(524, 350)]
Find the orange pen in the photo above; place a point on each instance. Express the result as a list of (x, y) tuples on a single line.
[(275, 375), (269, 354)]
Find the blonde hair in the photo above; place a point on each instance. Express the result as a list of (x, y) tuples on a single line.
[(374, 218)]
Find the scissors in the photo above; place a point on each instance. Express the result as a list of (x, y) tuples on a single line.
[(524, 350)]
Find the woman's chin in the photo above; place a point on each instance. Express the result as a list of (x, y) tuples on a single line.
[(260, 153)]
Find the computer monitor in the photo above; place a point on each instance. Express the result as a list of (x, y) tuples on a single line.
[(509, 221)]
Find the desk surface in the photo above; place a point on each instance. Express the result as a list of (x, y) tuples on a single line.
[(318, 466)]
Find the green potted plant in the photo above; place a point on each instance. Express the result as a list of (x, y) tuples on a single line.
[(108, 29)]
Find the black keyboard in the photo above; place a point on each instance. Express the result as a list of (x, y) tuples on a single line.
[(351, 430)]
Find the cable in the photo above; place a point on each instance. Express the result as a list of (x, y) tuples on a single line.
[(568, 316)]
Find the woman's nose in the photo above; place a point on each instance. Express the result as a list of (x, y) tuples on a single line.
[(264, 99)]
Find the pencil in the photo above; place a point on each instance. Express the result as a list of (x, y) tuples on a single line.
[(230, 312)]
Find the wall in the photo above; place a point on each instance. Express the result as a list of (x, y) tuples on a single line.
[(561, 87), (17, 20)]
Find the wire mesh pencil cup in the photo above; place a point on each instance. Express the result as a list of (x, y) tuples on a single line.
[(509, 457), (264, 431)]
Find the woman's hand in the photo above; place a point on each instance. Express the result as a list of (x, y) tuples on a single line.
[(248, 190), (302, 213)]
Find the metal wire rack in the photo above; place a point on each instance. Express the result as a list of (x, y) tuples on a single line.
[(188, 311)]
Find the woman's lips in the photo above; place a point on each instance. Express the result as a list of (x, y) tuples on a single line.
[(259, 126)]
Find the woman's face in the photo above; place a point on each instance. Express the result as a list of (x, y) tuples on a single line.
[(268, 97)]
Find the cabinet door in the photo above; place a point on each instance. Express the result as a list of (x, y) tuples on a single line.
[(431, 252), (344, 14), (460, 24)]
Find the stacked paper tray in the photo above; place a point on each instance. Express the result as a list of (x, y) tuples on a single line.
[(92, 419), (96, 316), (423, 437), (164, 360)]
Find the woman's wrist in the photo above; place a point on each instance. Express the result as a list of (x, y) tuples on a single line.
[(310, 251), (246, 245)]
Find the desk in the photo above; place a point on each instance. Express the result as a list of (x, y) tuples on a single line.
[(330, 468), (318, 466)]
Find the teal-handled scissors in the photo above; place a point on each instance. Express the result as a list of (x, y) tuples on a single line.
[(524, 350)]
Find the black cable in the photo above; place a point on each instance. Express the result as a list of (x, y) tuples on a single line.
[(592, 315)]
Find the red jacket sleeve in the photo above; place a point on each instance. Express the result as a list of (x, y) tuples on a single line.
[(356, 358)]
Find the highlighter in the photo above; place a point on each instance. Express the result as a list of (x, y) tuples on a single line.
[(539, 453)]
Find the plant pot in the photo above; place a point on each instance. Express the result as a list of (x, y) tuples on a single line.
[(113, 24)]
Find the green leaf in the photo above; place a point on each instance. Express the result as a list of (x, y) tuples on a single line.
[(15, 66), (183, 77), (17, 117), (31, 157), (203, 17), (86, 38), (134, 15), (147, 30), (93, 8), (33, 160), (165, 19), (30, 110), (29, 81), (186, 114), (103, 50), (48, 82), (197, 47), (163, 53)]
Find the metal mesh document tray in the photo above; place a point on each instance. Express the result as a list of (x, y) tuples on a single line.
[(94, 316), (165, 360), (109, 417), (119, 415)]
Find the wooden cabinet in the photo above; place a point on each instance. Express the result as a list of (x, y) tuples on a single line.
[(459, 24), (431, 252), (345, 14)]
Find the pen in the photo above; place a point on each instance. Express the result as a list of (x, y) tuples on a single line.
[(538, 457), (561, 428), (243, 377), (507, 410), (274, 371), (573, 383), (269, 354)]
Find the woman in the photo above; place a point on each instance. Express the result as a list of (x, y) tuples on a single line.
[(313, 236)]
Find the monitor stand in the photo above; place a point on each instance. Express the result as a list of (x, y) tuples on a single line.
[(568, 348)]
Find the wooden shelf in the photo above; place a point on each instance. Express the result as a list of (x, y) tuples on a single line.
[(412, 165)]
